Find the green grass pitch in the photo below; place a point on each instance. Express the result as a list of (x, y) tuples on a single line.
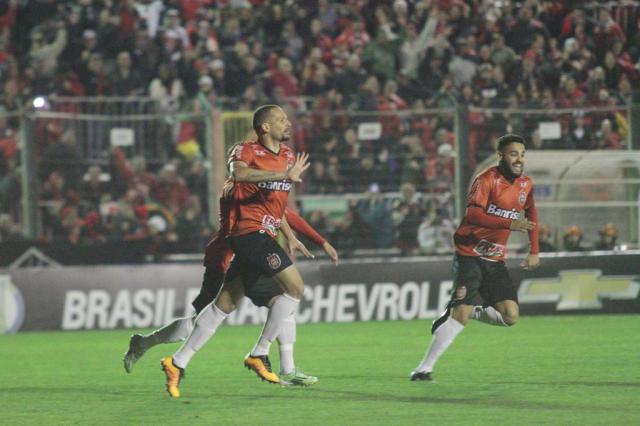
[(561, 370)]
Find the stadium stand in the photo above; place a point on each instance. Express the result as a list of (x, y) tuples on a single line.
[(335, 66)]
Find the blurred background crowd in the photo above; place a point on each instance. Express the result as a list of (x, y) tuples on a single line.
[(333, 65)]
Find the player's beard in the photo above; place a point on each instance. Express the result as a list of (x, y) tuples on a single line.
[(508, 171), (285, 136)]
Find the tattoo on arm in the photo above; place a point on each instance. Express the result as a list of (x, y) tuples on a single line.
[(242, 173)]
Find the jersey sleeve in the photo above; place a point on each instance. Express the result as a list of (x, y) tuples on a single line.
[(242, 152), (300, 225), (479, 193)]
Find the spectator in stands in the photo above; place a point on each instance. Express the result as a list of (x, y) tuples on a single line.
[(166, 87), (463, 65), (9, 188), (172, 23), (9, 230), (367, 174), (608, 235), (150, 12), (123, 223), (502, 55), (580, 136), (376, 215), (413, 160), (125, 80), (407, 215), (415, 43), (572, 239), (435, 235), (94, 186), (61, 156), (606, 137), (351, 78), (191, 228), (170, 190), (379, 55), (43, 56), (95, 80), (545, 239)]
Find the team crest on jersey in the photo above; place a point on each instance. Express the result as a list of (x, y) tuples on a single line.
[(260, 153), (524, 184), (274, 261), (522, 197)]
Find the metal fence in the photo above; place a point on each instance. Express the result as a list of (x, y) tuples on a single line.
[(406, 171), (96, 171)]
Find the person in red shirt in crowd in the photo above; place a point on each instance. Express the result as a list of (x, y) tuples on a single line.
[(283, 77), (483, 289), (170, 190)]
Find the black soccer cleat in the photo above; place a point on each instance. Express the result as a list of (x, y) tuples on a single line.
[(440, 320), (421, 376)]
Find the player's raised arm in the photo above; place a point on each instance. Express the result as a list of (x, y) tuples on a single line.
[(241, 172), (299, 167)]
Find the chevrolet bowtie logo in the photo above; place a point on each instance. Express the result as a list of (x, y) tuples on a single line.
[(579, 289)]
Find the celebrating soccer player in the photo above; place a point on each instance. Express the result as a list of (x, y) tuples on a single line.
[(482, 287), (267, 169)]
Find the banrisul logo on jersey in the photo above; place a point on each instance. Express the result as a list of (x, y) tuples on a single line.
[(276, 185), (497, 211), (11, 306)]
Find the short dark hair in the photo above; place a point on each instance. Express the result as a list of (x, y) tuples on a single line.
[(509, 138), (261, 115)]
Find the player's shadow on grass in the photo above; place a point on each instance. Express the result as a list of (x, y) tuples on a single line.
[(429, 398), (574, 383)]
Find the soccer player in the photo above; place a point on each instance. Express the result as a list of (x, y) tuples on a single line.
[(482, 287), (218, 255), (272, 167)]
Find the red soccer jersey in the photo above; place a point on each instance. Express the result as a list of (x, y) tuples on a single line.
[(492, 204), (264, 209)]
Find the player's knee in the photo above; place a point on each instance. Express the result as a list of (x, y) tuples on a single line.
[(510, 318), (461, 314), (225, 304), (296, 292)]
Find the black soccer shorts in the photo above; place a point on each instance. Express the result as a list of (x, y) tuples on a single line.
[(258, 255), (480, 282)]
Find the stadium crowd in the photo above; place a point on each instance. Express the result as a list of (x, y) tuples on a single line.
[(333, 66)]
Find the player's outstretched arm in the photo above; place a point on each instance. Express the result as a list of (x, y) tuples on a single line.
[(293, 243), (532, 261), (333, 254), (300, 225)]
